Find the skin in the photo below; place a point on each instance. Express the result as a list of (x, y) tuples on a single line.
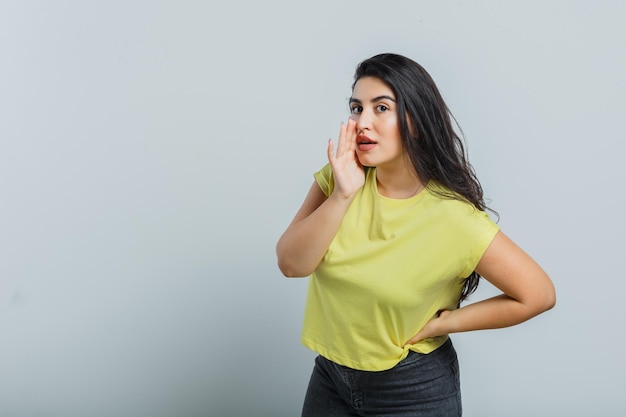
[(526, 289), (373, 108)]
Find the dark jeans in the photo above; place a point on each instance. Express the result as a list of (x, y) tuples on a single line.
[(420, 385)]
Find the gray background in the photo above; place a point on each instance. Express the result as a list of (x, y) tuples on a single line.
[(152, 152)]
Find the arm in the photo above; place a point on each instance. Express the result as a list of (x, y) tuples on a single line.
[(303, 245), (527, 291)]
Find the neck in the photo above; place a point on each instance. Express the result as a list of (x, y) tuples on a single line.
[(398, 183)]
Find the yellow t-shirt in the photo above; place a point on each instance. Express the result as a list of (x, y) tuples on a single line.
[(391, 266)]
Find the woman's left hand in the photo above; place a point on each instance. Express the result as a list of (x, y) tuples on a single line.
[(433, 328)]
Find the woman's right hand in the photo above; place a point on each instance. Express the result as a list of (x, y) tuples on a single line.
[(305, 242), (347, 170)]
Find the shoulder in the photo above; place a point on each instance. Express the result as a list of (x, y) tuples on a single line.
[(455, 210), (324, 178), (447, 199)]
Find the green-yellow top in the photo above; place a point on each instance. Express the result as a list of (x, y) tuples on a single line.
[(391, 266)]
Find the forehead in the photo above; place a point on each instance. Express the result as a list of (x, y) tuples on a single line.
[(369, 87)]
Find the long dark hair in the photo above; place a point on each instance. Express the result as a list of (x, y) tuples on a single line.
[(433, 147)]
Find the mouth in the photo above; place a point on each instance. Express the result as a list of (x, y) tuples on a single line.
[(364, 143)]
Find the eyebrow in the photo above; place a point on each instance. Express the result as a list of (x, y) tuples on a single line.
[(375, 99)]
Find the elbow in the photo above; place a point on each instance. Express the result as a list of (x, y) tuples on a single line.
[(286, 269), (549, 296), (291, 266), (546, 304), (546, 301), (291, 270), (550, 300)]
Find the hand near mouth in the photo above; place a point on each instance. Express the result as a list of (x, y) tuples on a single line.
[(347, 170)]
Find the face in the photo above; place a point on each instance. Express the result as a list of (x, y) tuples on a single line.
[(373, 107)]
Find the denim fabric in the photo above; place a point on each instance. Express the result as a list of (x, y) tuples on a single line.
[(420, 385)]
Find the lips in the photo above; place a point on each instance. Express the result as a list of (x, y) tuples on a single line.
[(365, 144)]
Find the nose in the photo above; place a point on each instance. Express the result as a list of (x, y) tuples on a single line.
[(363, 120)]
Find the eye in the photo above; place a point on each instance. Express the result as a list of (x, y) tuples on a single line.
[(382, 108), (356, 109)]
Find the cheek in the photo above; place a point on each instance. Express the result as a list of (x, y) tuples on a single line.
[(392, 129), (390, 121)]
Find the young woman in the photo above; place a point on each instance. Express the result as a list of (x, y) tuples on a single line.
[(394, 235)]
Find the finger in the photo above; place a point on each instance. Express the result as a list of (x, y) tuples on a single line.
[(351, 134), (348, 138), (340, 140), (329, 151), (411, 342)]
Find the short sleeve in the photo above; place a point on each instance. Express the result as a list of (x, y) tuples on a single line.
[(324, 178), (483, 231)]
